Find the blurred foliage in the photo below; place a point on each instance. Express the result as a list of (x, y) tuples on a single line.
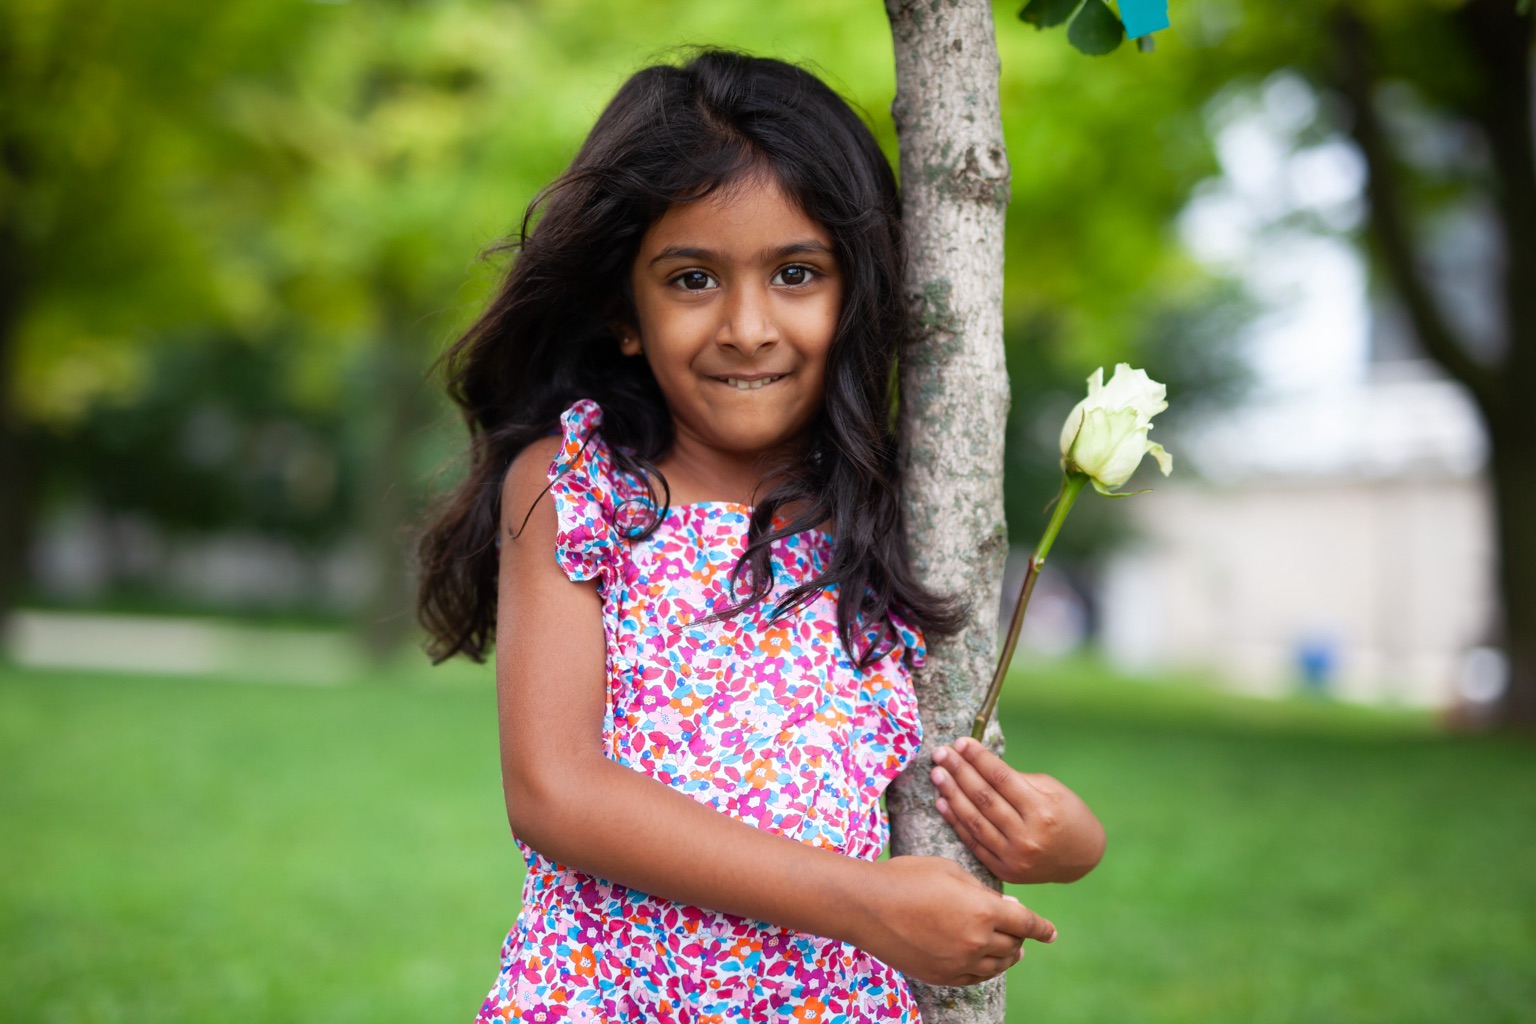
[(212, 441), (113, 200), (248, 233), (250, 228)]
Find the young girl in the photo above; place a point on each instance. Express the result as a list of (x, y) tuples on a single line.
[(682, 528)]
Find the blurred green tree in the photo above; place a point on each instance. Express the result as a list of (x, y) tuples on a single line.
[(108, 134), (311, 181)]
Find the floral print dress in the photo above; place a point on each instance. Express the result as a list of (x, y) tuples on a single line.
[(767, 721)]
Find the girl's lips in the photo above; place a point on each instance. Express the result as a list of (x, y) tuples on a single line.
[(751, 383)]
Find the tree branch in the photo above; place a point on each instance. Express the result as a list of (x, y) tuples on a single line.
[(1501, 39), (1389, 226)]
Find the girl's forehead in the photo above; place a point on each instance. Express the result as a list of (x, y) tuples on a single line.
[(741, 214)]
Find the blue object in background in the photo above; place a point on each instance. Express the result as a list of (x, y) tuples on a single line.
[(1317, 658), (1143, 17)]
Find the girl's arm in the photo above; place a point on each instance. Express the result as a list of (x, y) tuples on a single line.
[(924, 916), (1023, 827)]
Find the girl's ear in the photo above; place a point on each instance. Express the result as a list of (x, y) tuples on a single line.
[(629, 340)]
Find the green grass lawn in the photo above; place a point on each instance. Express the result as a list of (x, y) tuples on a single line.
[(203, 850), (1280, 862)]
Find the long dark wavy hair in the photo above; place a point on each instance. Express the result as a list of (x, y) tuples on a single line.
[(674, 135)]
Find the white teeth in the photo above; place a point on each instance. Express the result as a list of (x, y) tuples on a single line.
[(751, 385)]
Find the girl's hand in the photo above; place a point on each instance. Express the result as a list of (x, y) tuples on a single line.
[(1022, 827), (933, 921)]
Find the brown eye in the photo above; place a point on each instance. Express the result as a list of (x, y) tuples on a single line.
[(695, 280), (795, 275)]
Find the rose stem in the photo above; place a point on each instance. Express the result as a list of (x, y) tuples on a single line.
[(1071, 487)]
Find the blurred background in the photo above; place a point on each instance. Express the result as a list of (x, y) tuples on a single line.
[(234, 237)]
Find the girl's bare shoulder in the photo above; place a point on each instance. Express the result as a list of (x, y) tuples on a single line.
[(527, 481)]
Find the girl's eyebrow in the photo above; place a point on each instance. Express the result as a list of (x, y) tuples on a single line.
[(807, 247)]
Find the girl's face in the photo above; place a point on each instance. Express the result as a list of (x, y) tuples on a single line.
[(737, 298)]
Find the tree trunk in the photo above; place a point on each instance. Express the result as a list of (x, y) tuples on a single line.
[(18, 502), (18, 461), (954, 398), (1500, 38), (1514, 488)]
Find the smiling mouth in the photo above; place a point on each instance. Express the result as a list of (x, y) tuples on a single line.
[(749, 384)]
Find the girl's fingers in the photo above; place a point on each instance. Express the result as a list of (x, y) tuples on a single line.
[(980, 852), (992, 966), (982, 814), (1022, 923), (1001, 954), (1017, 788), (1003, 948), (988, 968)]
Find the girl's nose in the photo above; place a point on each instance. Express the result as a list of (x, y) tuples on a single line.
[(748, 323)]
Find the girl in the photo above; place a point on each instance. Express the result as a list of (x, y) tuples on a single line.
[(682, 526)]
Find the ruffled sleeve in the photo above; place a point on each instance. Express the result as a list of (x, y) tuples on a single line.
[(581, 482)]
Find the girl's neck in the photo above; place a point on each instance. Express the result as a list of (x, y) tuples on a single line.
[(697, 473)]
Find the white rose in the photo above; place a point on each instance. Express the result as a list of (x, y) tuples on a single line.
[(1105, 436)]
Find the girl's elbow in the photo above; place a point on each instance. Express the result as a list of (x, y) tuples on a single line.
[(523, 823), (531, 797), (1098, 850), (1095, 854), (1073, 873), (544, 801)]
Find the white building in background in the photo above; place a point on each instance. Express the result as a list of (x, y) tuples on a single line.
[(1342, 535), (1337, 529)]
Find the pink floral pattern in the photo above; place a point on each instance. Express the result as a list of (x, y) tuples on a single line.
[(765, 720)]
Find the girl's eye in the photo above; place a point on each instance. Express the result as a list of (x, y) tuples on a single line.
[(794, 275), (695, 280)]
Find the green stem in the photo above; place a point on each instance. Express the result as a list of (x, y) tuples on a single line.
[(1071, 486)]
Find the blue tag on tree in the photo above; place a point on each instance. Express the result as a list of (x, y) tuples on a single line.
[(1143, 17)]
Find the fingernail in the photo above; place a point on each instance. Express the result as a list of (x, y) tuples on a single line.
[(940, 754), (938, 776), (941, 805), (1013, 898), (962, 743), (1052, 938)]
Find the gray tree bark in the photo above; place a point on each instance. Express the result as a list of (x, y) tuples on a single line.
[(954, 398)]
